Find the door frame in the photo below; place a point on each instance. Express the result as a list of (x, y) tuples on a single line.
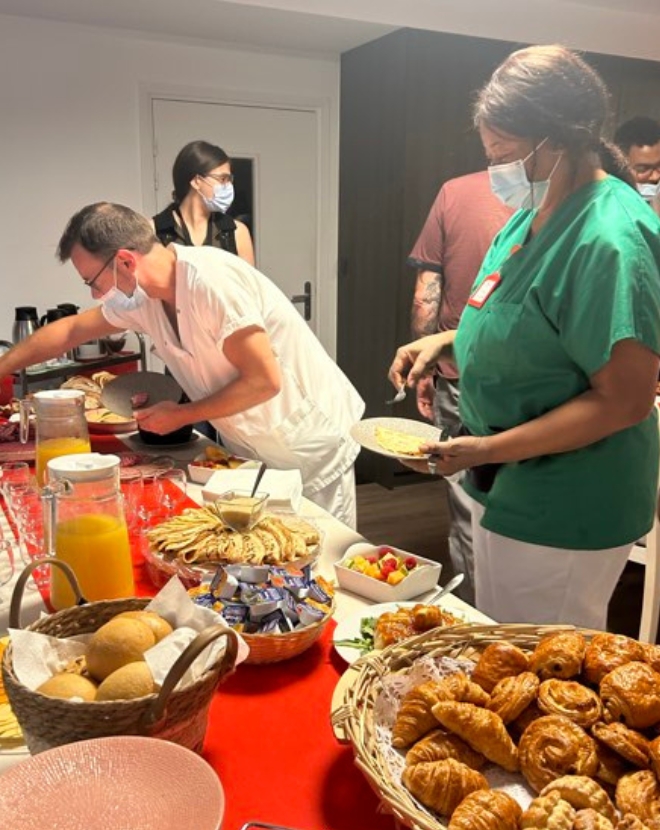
[(327, 124)]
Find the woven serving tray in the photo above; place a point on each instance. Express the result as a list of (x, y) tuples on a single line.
[(353, 706)]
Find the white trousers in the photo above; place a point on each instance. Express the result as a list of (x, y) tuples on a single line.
[(518, 582), (339, 498)]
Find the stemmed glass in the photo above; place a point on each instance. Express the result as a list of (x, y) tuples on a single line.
[(170, 491)]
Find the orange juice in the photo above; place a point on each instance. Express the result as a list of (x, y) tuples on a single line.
[(96, 546), (54, 447)]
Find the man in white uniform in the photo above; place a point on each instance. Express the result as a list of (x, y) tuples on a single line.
[(236, 345)]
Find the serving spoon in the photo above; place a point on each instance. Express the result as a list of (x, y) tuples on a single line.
[(449, 587), (260, 475)]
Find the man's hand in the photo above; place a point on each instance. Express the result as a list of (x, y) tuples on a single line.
[(162, 418), (425, 398)]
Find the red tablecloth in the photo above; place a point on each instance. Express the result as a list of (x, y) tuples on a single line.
[(270, 741)]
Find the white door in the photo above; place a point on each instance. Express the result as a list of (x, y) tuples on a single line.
[(283, 146)]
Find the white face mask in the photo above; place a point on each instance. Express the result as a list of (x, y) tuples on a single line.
[(510, 184), (648, 191), (115, 299), (223, 196)]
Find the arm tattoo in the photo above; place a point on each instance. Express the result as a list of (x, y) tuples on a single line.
[(426, 303)]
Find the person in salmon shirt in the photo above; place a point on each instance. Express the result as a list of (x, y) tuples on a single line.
[(557, 350)]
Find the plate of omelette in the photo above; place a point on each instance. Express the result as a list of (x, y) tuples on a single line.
[(394, 437)]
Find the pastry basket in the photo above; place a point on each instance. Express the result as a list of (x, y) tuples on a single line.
[(353, 710), (177, 715)]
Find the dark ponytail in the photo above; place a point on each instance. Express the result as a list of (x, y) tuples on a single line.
[(614, 162)]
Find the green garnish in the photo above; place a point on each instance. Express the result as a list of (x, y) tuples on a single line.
[(365, 642)]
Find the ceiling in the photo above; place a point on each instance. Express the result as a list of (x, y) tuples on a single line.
[(210, 20)]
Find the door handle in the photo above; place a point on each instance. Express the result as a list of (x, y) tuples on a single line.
[(306, 300)]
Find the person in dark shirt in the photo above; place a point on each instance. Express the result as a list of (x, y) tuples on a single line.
[(203, 192)]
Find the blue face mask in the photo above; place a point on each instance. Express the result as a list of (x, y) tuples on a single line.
[(223, 196), (510, 184), (115, 299), (649, 191)]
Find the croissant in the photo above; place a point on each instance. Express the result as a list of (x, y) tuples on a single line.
[(559, 655), (571, 699), (554, 746), (439, 745), (631, 745), (486, 810), (414, 718), (631, 695), (639, 793), (608, 651), (589, 819), (582, 793), (498, 660), (548, 812), (652, 655), (512, 695), (459, 687), (442, 785), (482, 729)]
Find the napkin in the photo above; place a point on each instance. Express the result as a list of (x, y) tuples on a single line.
[(284, 487)]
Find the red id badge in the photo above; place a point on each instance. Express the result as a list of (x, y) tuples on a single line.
[(483, 292)]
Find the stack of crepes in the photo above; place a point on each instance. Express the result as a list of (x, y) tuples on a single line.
[(92, 388), (199, 536), (399, 443), (10, 731)]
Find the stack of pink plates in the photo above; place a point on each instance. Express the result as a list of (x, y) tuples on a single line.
[(112, 784)]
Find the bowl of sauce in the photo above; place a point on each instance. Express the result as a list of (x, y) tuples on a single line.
[(240, 510)]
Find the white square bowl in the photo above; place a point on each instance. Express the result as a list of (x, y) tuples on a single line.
[(200, 474), (422, 579)]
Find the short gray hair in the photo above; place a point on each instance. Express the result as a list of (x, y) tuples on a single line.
[(103, 228)]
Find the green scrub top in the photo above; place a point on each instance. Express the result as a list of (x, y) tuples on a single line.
[(589, 278)]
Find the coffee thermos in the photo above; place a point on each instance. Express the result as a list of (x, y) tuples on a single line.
[(26, 322)]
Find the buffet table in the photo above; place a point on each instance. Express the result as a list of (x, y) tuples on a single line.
[(269, 735)]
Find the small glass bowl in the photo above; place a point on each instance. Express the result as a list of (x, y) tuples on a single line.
[(241, 511)]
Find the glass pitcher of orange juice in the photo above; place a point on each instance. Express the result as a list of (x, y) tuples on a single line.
[(61, 426), (86, 528)]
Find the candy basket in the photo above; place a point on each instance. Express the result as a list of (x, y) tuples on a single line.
[(353, 717), (177, 715), (273, 648)]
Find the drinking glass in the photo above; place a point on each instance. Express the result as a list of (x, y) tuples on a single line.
[(170, 491), (28, 514), (136, 510), (14, 472), (6, 568)]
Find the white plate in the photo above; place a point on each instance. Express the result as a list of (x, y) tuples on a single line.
[(364, 432), (349, 628)]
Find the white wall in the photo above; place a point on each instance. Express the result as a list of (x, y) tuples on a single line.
[(70, 102)]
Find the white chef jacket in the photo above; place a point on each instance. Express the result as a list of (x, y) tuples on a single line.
[(306, 425)]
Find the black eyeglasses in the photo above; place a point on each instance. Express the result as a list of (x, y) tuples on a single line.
[(90, 283), (221, 178)]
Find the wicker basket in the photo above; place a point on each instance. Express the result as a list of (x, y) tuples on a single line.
[(273, 648), (353, 715), (177, 715)]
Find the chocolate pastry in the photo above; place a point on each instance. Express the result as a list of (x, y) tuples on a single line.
[(439, 745), (414, 718), (608, 651), (611, 765), (548, 812), (482, 729), (631, 695), (631, 745), (486, 810), (554, 746), (589, 819), (498, 660), (582, 792), (442, 785), (571, 699), (512, 695), (639, 793), (559, 655)]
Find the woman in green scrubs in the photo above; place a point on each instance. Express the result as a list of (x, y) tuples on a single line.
[(557, 352)]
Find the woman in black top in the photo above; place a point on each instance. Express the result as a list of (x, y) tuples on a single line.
[(203, 192)]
